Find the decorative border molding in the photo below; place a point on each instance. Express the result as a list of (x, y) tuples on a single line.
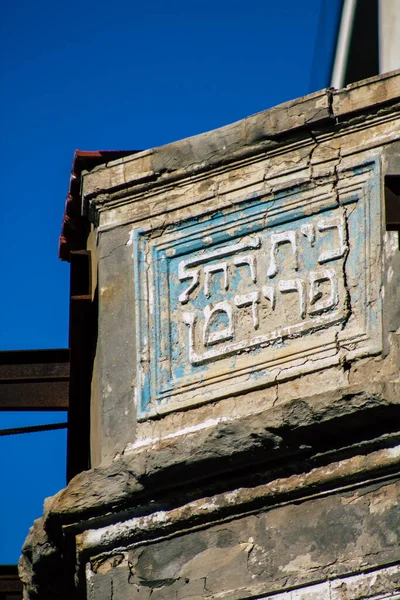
[(159, 390)]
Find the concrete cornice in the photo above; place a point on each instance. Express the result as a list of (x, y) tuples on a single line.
[(268, 131)]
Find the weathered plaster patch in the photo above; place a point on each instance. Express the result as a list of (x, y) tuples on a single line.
[(140, 443), (301, 563)]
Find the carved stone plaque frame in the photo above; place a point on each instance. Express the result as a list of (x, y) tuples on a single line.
[(274, 287)]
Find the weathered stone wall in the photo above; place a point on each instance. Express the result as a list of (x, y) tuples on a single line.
[(246, 392), (289, 547), (329, 531)]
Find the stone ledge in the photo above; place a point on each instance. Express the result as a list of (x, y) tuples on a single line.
[(47, 575), (298, 429), (244, 500), (255, 134), (361, 94)]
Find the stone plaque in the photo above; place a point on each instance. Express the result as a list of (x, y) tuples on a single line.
[(274, 287)]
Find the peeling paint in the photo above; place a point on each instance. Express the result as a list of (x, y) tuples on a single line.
[(240, 294)]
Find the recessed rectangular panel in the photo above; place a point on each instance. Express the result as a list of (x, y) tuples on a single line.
[(278, 286)]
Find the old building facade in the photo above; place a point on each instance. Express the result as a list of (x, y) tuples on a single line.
[(244, 387)]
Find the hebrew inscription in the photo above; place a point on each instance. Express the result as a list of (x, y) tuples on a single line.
[(264, 290), (268, 287)]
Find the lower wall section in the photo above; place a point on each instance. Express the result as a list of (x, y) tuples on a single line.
[(338, 546), (374, 585)]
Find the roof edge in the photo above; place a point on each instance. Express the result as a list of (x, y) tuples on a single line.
[(75, 227)]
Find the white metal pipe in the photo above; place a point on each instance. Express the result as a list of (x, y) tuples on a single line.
[(389, 35), (342, 52)]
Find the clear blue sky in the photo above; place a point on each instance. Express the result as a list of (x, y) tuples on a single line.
[(115, 75)]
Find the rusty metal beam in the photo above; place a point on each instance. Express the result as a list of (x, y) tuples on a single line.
[(32, 429), (10, 584), (34, 379)]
